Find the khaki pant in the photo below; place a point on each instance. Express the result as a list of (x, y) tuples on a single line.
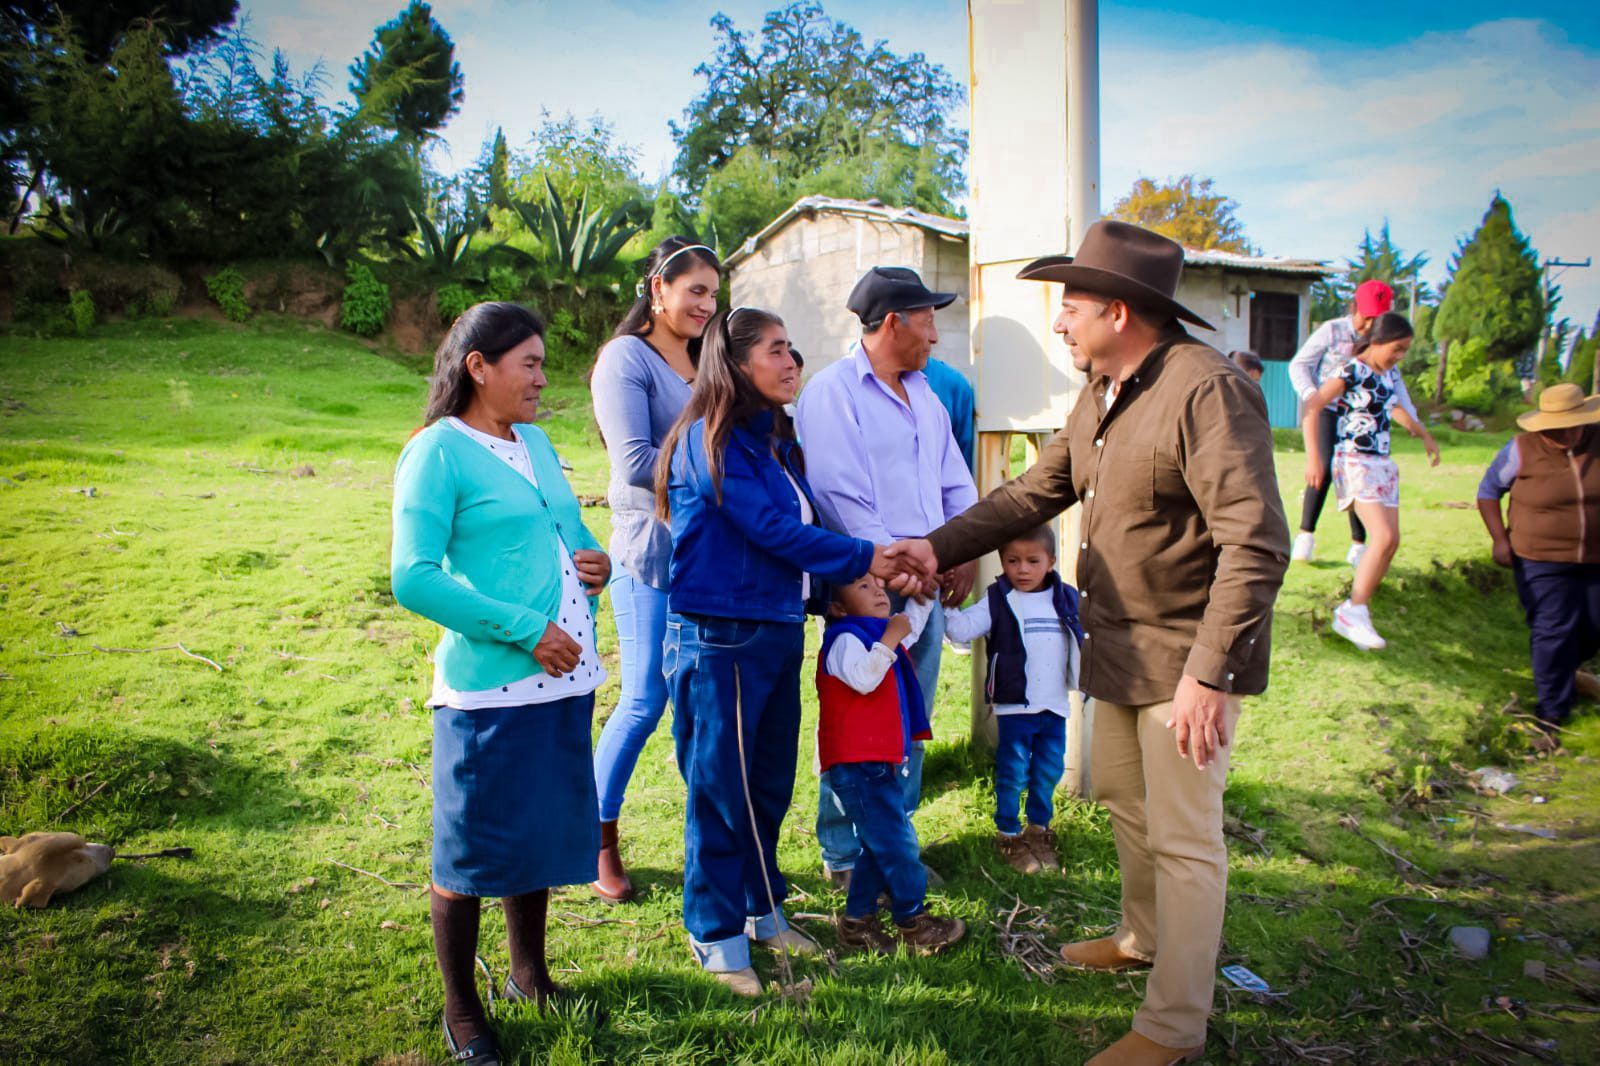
[(1167, 819)]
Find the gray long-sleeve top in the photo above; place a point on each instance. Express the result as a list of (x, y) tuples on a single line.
[(637, 398)]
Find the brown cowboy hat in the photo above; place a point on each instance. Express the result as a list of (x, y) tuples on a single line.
[(1561, 407), (1124, 262)]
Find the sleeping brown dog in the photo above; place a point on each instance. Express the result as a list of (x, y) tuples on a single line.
[(35, 867)]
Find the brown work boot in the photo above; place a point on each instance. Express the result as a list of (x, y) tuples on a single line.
[(1042, 842), (612, 885), (1136, 1049), (928, 934), (1587, 686), (863, 934), (1101, 954), (1016, 851)]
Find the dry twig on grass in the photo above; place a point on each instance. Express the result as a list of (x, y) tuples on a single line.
[(135, 651), (407, 885), (64, 815)]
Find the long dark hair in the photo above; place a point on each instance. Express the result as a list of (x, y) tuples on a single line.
[(1389, 326), (640, 320), (723, 395), (491, 329)]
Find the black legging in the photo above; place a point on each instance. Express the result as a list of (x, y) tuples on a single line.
[(1311, 502)]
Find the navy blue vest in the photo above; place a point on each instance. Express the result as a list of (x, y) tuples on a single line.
[(1008, 656)]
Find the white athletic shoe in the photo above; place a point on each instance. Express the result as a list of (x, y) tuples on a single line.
[(1353, 556), (1304, 545), (1355, 625)]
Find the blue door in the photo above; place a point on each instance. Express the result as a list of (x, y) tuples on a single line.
[(1283, 406)]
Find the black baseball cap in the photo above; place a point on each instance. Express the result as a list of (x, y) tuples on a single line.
[(882, 290)]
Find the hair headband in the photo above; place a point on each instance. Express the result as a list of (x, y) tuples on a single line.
[(639, 289)]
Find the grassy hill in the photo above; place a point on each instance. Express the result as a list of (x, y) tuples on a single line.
[(177, 492)]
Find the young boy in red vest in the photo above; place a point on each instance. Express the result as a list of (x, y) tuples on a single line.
[(871, 711), (1031, 619)]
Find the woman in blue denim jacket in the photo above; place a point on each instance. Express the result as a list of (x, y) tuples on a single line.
[(731, 483)]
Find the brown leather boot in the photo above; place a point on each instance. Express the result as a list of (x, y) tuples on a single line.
[(863, 934), (1102, 954), (1042, 842), (1136, 1049), (612, 885), (929, 934), (1013, 847)]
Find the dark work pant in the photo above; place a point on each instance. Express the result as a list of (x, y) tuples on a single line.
[(1311, 502), (1562, 601)]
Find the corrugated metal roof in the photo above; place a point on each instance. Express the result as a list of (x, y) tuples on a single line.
[(873, 209), (958, 227)]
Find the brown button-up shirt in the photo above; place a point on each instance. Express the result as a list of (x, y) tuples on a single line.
[(1184, 541)]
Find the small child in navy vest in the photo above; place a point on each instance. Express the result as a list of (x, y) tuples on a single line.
[(1031, 619), (871, 711)]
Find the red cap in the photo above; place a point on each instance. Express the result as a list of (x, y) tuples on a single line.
[(1373, 298)]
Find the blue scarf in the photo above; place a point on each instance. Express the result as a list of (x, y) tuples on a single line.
[(913, 712)]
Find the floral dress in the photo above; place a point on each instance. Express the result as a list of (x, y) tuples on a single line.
[(1362, 469)]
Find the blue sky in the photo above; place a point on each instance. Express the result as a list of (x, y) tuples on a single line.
[(1320, 120)]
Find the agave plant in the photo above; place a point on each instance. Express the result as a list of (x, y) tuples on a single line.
[(83, 221), (581, 243), (443, 251)]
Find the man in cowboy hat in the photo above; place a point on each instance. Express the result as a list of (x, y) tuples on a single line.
[(1184, 545), (1552, 472)]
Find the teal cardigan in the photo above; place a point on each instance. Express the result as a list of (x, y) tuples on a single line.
[(476, 550)]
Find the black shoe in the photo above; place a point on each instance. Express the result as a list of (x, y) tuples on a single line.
[(481, 1050), (559, 1001)]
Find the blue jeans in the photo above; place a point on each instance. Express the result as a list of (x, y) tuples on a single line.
[(890, 858), (1032, 753), (835, 834), (731, 677), (641, 615)]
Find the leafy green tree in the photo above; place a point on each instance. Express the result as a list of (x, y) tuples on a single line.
[(98, 24), (408, 80), (810, 103), (1188, 210), (1493, 292), (578, 157), (1581, 363)]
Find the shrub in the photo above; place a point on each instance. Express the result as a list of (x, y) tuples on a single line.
[(504, 284), (452, 300), (81, 307), (1474, 381), (366, 302), (226, 287)]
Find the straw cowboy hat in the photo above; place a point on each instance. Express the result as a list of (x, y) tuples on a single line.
[(1124, 262), (1561, 407)]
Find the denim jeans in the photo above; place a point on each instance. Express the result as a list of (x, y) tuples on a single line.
[(890, 858), (1562, 602), (730, 678), (1031, 753), (835, 834), (641, 616)]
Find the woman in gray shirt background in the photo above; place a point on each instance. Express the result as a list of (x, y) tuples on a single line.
[(641, 382)]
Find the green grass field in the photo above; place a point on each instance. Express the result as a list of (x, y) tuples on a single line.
[(227, 489)]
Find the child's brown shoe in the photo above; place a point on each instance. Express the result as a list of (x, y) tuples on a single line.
[(1042, 842), (863, 934), (928, 934), (1016, 850)]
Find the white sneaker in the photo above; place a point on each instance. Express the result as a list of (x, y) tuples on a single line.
[(793, 941), (1353, 556), (1304, 545), (1355, 625)]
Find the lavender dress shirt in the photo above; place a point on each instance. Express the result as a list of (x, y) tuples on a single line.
[(881, 469)]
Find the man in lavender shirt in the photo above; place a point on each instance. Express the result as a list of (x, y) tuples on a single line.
[(884, 464)]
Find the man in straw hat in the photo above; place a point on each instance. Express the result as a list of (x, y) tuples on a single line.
[(1183, 548), (1550, 537)]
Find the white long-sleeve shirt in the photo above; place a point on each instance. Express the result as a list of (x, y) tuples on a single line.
[(1327, 351), (864, 668), (1051, 648)]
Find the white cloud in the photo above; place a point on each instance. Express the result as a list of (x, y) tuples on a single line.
[(1318, 145)]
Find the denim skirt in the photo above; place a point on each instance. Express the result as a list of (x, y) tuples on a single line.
[(514, 806)]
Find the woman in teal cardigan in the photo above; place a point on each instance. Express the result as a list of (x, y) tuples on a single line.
[(489, 542)]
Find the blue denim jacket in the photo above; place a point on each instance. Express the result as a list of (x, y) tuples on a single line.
[(744, 557)]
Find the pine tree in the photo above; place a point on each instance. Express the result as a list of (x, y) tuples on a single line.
[(1493, 296), (408, 80)]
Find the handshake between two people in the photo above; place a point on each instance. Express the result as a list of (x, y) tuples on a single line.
[(911, 569)]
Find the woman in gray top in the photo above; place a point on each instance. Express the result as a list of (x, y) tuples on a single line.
[(641, 382)]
